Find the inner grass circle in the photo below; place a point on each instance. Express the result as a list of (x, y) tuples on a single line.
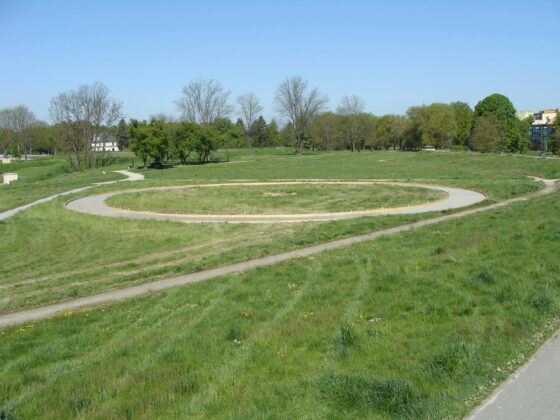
[(273, 198)]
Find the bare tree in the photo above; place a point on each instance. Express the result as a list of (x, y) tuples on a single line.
[(352, 107), (204, 101), (16, 123), (6, 133), (82, 112), (163, 117), (397, 128), (295, 103), (249, 110)]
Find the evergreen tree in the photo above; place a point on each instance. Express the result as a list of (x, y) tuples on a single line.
[(260, 133), (122, 137)]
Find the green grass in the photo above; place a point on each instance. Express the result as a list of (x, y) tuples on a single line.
[(418, 325), (274, 199), (49, 254), (408, 326), (43, 177)]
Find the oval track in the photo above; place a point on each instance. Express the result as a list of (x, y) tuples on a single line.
[(455, 198)]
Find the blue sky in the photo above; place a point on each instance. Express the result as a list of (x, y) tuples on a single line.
[(393, 54)]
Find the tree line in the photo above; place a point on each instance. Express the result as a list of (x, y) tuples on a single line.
[(205, 124)]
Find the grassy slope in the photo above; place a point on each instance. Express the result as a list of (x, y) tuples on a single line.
[(69, 254), (275, 199), (46, 176), (454, 306)]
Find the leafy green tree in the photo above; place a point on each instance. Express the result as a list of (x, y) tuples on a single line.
[(464, 121), (274, 134), (489, 135), (122, 138), (149, 140), (502, 107), (382, 137), (397, 127), (554, 143), (231, 134), (434, 124), (139, 133), (325, 131), (209, 139), (525, 129), (185, 136), (158, 141), (412, 137)]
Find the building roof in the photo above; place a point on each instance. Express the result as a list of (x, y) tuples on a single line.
[(104, 138)]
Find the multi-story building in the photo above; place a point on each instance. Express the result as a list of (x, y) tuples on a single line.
[(104, 142), (542, 128)]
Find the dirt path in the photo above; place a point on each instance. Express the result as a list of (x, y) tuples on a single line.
[(130, 292)]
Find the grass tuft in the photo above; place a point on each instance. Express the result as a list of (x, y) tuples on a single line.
[(7, 412), (394, 396), (455, 357), (484, 276)]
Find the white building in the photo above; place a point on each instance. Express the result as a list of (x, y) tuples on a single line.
[(543, 128), (545, 116), (104, 142)]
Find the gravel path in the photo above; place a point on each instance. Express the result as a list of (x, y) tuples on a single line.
[(455, 198), (131, 176), (133, 291)]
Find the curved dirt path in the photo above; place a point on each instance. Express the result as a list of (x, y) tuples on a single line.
[(130, 176), (455, 198), (35, 314)]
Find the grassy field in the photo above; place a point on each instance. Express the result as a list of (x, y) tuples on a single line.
[(416, 325), (274, 199), (67, 254), (46, 176), (411, 326)]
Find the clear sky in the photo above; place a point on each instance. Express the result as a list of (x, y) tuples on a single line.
[(393, 54)]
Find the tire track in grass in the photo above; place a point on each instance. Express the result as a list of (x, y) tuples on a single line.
[(229, 368), (117, 344)]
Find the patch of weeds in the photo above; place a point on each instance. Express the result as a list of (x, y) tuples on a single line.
[(394, 396), (439, 250), (234, 334), (187, 385), (78, 403), (465, 309), (373, 332), (438, 309), (346, 337), (451, 359), (7, 412), (542, 302), (507, 294), (484, 276)]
